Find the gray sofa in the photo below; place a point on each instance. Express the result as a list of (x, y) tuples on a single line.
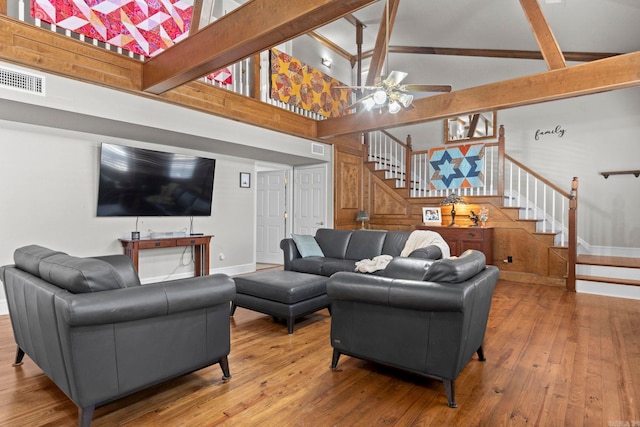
[(343, 248), (424, 316), (99, 335)]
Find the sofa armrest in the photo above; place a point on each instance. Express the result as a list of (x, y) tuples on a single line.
[(290, 250), (142, 302), (400, 293), (429, 252)]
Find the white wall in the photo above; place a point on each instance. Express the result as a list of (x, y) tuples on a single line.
[(49, 191)]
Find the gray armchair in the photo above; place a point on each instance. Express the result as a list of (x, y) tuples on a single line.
[(99, 335), (428, 317)]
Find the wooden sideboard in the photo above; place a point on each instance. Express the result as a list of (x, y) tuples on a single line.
[(462, 238), (200, 243)]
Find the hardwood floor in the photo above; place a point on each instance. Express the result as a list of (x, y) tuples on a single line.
[(554, 358)]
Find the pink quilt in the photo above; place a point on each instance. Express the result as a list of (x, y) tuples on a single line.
[(146, 27)]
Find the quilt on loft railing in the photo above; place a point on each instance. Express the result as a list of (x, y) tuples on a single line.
[(296, 83), (146, 27), (456, 167)]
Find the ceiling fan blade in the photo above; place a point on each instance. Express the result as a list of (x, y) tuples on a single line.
[(356, 87), (355, 104), (395, 78), (426, 88)]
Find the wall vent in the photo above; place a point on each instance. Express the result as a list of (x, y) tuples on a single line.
[(317, 149), (21, 81)]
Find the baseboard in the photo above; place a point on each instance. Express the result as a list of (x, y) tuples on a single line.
[(4, 307), (230, 271)]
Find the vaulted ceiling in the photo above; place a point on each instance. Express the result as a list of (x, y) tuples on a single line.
[(571, 48)]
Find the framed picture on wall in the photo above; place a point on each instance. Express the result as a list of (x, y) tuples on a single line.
[(245, 180), (431, 216)]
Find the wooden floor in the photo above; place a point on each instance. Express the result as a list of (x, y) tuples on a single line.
[(554, 358)]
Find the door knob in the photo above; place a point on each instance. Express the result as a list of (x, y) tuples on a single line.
[(320, 223)]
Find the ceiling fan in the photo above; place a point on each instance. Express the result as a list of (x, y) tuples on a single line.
[(389, 91)]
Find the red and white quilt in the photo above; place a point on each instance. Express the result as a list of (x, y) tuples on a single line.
[(146, 27)]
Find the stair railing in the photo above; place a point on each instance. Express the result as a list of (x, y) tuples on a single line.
[(390, 155)]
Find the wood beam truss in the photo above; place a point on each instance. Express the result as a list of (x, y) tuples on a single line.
[(227, 40), (543, 34)]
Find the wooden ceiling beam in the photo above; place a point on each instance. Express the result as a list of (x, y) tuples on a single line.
[(331, 45), (493, 53), (380, 49), (254, 27), (618, 72), (543, 34)]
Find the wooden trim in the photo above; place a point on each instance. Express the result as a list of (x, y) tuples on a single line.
[(618, 72), (393, 138), (227, 41), (543, 34), (501, 162), (572, 243), (493, 53), (538, 176), (3, 7), (196, 16)]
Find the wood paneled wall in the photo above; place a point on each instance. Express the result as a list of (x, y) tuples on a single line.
[(349, 195)]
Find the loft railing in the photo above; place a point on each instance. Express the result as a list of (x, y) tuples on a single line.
[(538, 198), (243, 74)]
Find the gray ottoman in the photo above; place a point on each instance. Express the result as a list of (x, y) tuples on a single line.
[(281, 294)]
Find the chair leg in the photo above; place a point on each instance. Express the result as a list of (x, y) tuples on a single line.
[(334, 359), (224, 365), (451, 393), (85, 415), (233, 309), (19, 356), (290, 321), (481, 354)]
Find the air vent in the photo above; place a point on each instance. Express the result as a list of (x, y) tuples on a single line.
[(317, 149), (21, 81)]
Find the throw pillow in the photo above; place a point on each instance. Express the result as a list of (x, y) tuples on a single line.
[(307, 245)]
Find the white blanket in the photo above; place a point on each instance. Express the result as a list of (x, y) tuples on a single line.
[(423, 238), (370, 265)]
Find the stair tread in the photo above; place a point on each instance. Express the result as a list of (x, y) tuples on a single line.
[(608, 261), (611, 280)]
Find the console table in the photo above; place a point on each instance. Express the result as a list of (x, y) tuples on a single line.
[(462, 238), (200, 243)]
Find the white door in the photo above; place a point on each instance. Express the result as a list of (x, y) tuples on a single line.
[(270, 222), (310, 199)]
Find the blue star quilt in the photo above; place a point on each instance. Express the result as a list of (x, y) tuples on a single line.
[(456, 167)]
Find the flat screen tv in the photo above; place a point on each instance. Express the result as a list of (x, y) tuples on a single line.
[(140, 182)]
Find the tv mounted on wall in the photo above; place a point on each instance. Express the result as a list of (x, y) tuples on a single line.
[(141, 182)]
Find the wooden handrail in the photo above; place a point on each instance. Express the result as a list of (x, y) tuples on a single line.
[(540, 178), (394, 138)]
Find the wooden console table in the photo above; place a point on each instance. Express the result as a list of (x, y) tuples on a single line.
[(200, 243), (462, 238)]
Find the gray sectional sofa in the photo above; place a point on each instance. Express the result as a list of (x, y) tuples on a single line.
[(343, 248)]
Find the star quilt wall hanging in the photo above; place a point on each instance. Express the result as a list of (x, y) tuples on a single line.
[(145, 27), (456, 167), (295, 83)]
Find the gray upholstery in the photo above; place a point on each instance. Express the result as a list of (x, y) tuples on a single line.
[(343, 248), (282, 294), (426, 327), (98, 345)]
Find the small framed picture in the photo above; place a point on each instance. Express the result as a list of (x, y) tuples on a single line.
[(431, 216), (245, 180)]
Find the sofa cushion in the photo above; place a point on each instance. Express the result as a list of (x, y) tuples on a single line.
[(332, 266), (365, 244), (408, 268), (80, 275), (394, 242), (333, 242), (311, 265), (27, 258), (457, 269), (307, 245)]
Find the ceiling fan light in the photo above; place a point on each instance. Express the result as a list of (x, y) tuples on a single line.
[(380, 97), (368, 103), (405, 99), (394, 107)]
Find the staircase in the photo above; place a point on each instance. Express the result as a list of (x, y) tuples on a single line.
[(608, 275)]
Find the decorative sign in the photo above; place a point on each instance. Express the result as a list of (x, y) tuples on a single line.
[(456, 167), (145, 27), (296, 83), (557, 131)]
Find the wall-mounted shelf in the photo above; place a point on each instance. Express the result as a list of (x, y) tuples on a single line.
[(606, 174)]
